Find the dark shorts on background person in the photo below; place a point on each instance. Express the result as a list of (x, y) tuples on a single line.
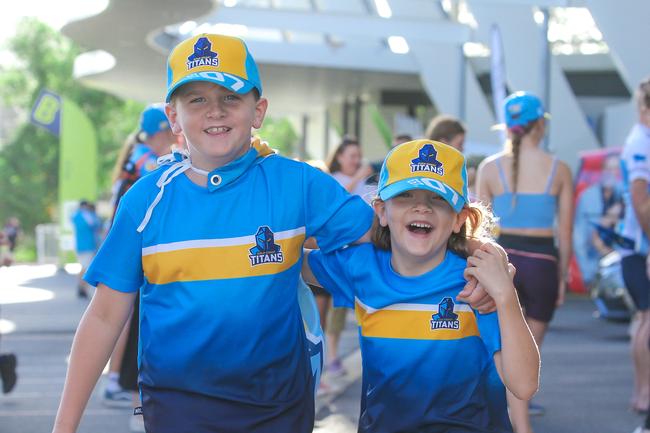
[(174, 411), (636, 280), (537, 278), (318, 291)]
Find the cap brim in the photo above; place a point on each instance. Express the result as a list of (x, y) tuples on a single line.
[(456, 200), (503, 127), (229, 81)]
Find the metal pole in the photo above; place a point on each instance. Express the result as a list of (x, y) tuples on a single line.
[(546, 72)]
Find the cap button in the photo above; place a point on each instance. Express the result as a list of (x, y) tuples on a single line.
[(215, 180)]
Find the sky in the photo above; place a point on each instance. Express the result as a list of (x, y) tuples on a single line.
[(53, 12)]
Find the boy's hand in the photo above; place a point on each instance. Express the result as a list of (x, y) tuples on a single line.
[(475, 295), (489, 267)]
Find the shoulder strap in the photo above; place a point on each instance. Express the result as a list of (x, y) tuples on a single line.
[(502, 175), (549, 183)]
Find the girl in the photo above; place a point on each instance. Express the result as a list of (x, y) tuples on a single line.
[(429, 361), (529, 191)]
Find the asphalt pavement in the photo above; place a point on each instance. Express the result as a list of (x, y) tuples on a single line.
[(586, 367)]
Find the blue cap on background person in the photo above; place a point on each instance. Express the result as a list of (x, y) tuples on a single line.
[(521, 108), (153, 120), (219, 59), (425, 164)]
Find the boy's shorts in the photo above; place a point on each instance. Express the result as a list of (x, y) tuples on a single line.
[(174, 411)]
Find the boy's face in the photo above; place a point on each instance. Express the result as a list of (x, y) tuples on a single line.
[(420, 223), (215, 122)]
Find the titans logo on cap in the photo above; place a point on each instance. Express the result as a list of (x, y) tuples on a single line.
[(202, 55), (265, 249), (426, 161), (445, 318)]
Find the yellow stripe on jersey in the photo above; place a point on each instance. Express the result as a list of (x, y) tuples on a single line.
[(413, 323), (217, 262)]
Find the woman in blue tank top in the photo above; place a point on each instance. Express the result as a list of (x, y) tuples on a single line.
[(531, 193)]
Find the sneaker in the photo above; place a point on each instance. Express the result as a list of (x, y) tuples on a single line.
[(335, 368), (8, 372), (117, 398), (136, 424), (536, 409)]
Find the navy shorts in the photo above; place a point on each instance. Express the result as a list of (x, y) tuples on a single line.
[(174, 411), (537, 277), (636, 280)]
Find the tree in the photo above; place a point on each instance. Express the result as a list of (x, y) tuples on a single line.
[(29, 160)]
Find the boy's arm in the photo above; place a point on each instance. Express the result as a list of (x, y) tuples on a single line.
[(93, 343), (518, 360)]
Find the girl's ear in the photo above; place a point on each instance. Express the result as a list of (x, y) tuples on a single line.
[(380, 209), (461, 218)]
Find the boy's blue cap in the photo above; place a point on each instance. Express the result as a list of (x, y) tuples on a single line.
[(521, 108), (219, 59), (153, 120)]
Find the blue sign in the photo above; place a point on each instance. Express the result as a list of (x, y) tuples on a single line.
[(46, 112)]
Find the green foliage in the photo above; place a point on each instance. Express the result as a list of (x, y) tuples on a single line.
[(280, 135), (29, 160)]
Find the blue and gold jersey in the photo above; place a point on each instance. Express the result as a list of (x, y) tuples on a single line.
[(218, 270), (427, 359)]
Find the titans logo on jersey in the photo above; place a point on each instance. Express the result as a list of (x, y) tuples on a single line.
[(427, 161), (202, 55), (445, 318), (265, 249)]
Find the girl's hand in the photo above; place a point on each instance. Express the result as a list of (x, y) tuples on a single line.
[(475, 295), (561, 293), (490, 267)]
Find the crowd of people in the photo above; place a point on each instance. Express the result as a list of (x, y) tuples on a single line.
[(200, 269)]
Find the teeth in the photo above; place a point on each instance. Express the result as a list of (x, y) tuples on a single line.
[(421, 225), (217, 130)]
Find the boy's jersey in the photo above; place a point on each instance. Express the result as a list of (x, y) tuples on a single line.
[(635, 164), (427, 359), (218, 269)]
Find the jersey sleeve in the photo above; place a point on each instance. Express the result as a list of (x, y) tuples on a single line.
[(488, 326), (330, 269), (118, 263), (636, 160), (335, 217)]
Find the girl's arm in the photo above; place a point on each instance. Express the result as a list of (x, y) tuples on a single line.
[(565, 225), (518, 361), (93, 343), (307, 274)]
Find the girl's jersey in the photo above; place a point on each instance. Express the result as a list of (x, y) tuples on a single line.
[(635, 164), (427, 359), (218, 269)]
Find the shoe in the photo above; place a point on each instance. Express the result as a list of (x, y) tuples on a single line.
[(118, 398), (335, 368), (536, 409), (136, 424), (8, 372)]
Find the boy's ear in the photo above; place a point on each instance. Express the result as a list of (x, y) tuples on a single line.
[(172, 115), (461, 218), (260, 111), (380, 209)]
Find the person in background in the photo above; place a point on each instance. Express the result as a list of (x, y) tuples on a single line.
[(139, 157), (635, 166), (87, 227), (600, 205), (448, 130), (473, 161), (529, 191), (11, 232), (346, 166)]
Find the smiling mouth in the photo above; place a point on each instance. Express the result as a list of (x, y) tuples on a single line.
[(217, 130), (419, 228)]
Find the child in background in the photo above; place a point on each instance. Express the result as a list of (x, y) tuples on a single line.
[(429, 360)]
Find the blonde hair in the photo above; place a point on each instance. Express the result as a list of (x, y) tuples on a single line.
[(123, 155), (480, 224)]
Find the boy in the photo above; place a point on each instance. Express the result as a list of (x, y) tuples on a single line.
[(214, 243)]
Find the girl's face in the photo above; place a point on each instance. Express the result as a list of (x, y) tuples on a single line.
[(420, 223), (350, 159)]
